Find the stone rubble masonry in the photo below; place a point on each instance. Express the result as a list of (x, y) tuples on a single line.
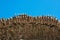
[(24, 27), (28, 19)]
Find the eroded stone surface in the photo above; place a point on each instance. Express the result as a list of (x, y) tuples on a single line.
[(25, 27)]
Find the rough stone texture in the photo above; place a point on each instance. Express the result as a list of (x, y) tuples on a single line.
[(23, 27)]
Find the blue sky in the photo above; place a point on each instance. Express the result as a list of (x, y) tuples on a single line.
[(9, 8)]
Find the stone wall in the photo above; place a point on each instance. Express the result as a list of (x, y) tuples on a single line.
[(30, 28)]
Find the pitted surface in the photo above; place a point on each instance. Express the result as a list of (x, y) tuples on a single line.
[(30, 28)]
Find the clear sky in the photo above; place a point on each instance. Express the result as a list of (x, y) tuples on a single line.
[(9, 8)]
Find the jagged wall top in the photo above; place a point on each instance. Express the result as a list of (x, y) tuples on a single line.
[(28, 19)]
